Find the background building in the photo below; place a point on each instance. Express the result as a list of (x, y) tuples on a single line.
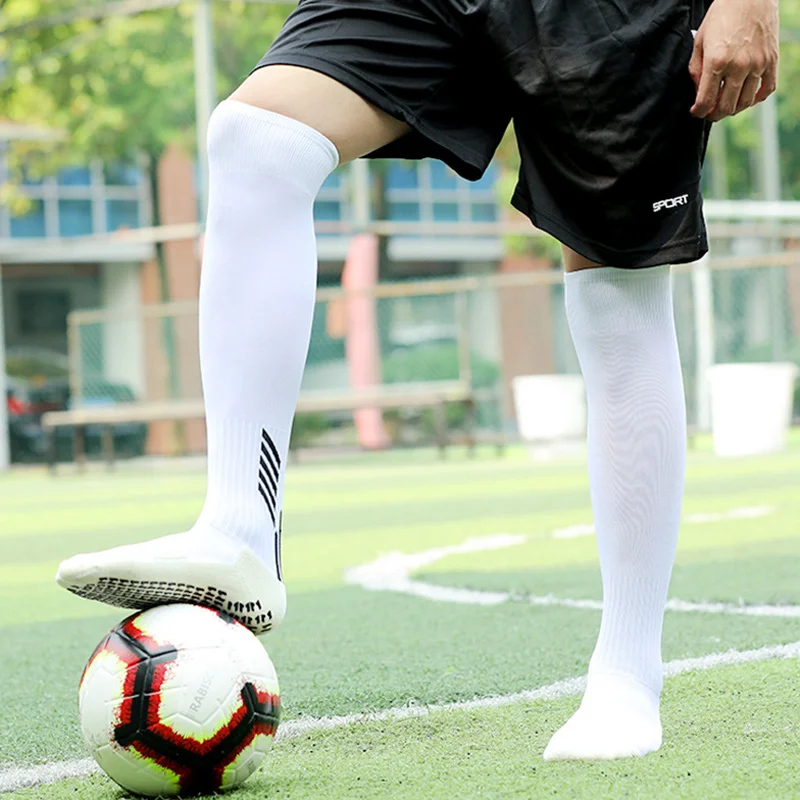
[(54, 263)]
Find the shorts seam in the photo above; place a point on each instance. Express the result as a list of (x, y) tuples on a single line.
[(558, 228), (557, 221)]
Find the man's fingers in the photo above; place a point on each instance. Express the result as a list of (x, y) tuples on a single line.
[(769, 83), (747, 98), (707, 90), (696, 61), (728, 98)]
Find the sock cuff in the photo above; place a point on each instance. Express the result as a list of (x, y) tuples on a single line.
[(246, 139), (617, 276), (605, 300)]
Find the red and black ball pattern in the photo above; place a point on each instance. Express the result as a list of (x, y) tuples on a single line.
[(200, 763)]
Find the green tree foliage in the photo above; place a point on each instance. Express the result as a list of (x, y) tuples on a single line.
[(120, 85), (742, 131), (117, 87)]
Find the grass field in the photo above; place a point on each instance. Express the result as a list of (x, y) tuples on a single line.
[(730, 730)]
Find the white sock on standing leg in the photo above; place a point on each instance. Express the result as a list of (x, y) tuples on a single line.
[(623, 327)]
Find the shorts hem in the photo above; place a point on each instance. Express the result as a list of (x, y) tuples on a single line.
[(681, 252), (466, 162)]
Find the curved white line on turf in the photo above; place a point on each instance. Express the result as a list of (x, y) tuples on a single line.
[(760, 610), (392, 573), (21, 777), (749, 512)]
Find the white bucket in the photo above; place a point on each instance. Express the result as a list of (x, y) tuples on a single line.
[(751, 407), (551, 413)]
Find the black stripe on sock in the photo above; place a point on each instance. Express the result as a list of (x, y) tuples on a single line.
[(278, 535), (265, 436), (263, 483), (273, 469), (268, 474), (266, 500)]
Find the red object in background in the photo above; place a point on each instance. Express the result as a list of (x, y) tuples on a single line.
[(362, 349), (17, 406)]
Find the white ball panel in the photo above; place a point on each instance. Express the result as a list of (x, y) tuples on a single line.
[(200, 694), (253, 661), (136, 774), (182, 625), (247, 762), (100, 698)]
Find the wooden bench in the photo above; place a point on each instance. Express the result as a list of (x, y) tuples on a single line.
[(434, 395)]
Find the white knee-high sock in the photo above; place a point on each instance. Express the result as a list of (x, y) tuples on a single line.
[(623, 328), (256, 305)]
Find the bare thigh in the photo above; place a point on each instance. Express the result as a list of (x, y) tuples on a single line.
[(353, 125), (573, 262)]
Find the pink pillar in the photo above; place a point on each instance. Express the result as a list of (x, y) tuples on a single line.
[(362, 347)]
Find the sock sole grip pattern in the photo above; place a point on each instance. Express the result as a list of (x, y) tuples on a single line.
[(128, 593)]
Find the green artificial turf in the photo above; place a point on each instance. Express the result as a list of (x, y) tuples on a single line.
[(729, 732)]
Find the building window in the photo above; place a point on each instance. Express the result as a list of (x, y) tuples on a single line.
[(417, 191), (42, 312), (79, 200), (402, 175), (75, 176), (445, 212), (404, 212), (30, 225), (327, 210), (333, 201), (74, 217), (122, 175), (442, 177), (121, 214), (484, 212), (429, 191)]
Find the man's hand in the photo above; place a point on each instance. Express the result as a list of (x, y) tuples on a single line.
[(735, 60)]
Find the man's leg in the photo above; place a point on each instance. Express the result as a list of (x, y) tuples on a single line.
[(353, 126), (270, 148), (624, 333)]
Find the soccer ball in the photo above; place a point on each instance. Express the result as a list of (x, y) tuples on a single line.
[(179, 699)]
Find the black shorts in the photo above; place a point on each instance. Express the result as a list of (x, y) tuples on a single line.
[(599, 92)]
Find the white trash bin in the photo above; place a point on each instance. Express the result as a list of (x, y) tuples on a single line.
[(551, 413), (751, 407)]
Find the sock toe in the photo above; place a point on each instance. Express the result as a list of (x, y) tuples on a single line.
[(618, 718)]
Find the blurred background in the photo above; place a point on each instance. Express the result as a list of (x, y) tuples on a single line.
[(431, 287)]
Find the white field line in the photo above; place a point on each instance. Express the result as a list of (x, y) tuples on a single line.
[(21, 777), (749, 512), (392, 573), (452, 594)]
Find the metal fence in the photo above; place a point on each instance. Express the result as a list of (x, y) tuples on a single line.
[(483, 330)]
